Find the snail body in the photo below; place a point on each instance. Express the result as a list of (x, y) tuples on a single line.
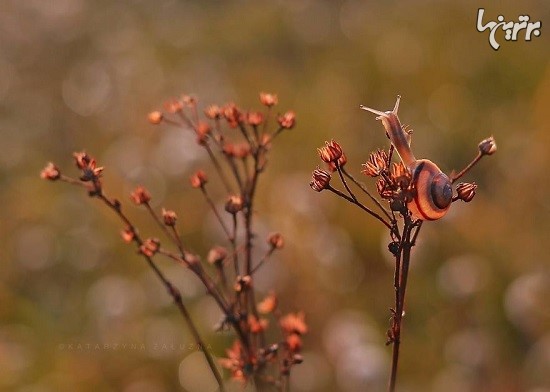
[(434, 192)]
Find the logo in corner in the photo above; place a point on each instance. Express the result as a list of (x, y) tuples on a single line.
[(511, 30)]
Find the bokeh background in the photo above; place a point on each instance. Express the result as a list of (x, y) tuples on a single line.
[(82, 74)]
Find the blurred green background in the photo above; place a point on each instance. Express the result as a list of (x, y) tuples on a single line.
[(82, 74)]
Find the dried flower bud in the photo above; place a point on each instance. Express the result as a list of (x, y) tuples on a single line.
[(217, 255), (287, 120), (268, 99), (199, 179), (155, 117), (255, 118), (331, 152), (268, 304), (149, 247), (232, 114), (376, 164), (188, 100), (401, 175), (466, 191), (241, 150), (169, 217), (50, 172), (320, 179), (140, 195), (487, 146), (173, 106), (128, 235), (82, 159), (257, 326), (91, 172), (213, 112), (276, 240), (294, 323), (384, 189), (332, 166), (242, 283), (297, 359), (294, 342), (265, 140), (234, 204)]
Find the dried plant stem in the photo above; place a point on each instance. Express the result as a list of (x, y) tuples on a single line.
[(360, 205), (365, 190), (170, 288), (455, 177), (218, 168), (402, 262)]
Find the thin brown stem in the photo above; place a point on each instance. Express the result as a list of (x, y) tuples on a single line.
[(360, 205), (218, 168), (215, 211), (455, 177), (365, 190), (170, 288)]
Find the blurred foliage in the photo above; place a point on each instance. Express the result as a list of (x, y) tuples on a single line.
[(80, 74)]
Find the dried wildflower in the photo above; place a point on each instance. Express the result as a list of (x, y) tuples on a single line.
[(466, 191), (90, 172), (169, 217), (217, 255), (241, 150), (257, 326), (384, 189), (128, 235), (199, 179), (487, 146), (155, 117), (232, 114), (213, 112), (331, 152), (242, 283), (173, 106), (234, 204), (229, 149), (401, 175), (294, 323), (297, 359), (320, 179), (341, 162), (50, 172), (188, 100), (140, 195), (276, 240), (268, 99), (294, 342), (287, 120), (82, 159), (254, 118), (268, 304), (149, 247), (376, 164), (235, 361), (265, 140)]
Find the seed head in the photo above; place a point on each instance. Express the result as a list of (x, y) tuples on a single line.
[(199, 179), (331, 152), (294, 323), (213, 112), (234, 204), (268, 99), (169, 217), (287, 120), (254, 118), (320, 179), (217, 255), (140, 195), (127, 235), (341, 163), (155, 117), (466, 191), (276, 240), (268, 304), (487, 146), (50, 172), (150, 247), (173, 106), (376, 164)]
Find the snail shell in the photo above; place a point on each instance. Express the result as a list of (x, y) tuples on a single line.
[(434, 192)]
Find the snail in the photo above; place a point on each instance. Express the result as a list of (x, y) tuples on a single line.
[(434, 192)]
